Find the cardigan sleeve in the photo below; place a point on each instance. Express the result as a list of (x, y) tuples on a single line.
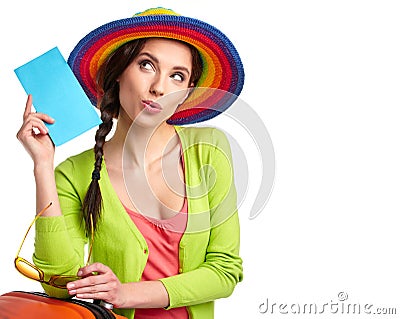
[(60, 240), (217, 276)]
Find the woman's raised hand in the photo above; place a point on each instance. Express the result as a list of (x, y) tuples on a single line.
[(34, 136)]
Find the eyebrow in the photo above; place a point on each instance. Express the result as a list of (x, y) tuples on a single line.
[(177, 68)]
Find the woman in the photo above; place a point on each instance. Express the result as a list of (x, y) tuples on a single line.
[(161, 249)]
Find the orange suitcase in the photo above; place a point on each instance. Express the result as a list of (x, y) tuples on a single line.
[(37, 305)]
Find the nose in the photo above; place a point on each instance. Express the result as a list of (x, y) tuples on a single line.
[(157, 87)]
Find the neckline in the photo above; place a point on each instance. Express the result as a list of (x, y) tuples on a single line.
[(186, 201), (177, 216)]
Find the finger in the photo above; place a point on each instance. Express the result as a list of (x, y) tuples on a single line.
[(97, 295), (32, 123), (101, 287), (28, 106), (105, 291), (89, 284), (34, 118), (44, 117), (88, 281), (93, 268), (28, 112)]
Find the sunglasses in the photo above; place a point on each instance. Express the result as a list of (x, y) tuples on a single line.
[(29, 270)]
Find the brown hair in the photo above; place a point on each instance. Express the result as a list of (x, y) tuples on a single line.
[(109, 105)]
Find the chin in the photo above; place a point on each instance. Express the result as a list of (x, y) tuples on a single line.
[(149, 122)]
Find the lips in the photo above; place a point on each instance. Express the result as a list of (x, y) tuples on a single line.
[(152, 105)]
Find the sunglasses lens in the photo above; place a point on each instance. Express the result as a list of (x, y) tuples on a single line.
[(27, 269), (61, 281)]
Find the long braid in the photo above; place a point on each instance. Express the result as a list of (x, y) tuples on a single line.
[(93, 200)]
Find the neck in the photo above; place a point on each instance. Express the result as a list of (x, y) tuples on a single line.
[(141, 146)]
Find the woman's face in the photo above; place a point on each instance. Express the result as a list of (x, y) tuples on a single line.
[(162, 67)]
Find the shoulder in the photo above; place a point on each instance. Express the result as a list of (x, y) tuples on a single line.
[(73, 175), (202, 134), (206, 143), (79, 161)]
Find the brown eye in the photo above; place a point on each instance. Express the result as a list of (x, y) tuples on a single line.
[(146, 65), (178, 77)]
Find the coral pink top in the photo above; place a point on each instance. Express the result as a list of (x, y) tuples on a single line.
[(162, 238)]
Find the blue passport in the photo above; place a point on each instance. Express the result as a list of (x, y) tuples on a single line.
[(56, 91)]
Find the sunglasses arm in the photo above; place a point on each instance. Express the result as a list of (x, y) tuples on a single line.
[(30, 226)]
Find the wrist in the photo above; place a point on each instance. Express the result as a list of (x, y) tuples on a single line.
[(43, 167), (123, 301), (143, 294)]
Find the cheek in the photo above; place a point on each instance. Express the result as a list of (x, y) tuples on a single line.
[(126, 82), (123, 95), (128, 86), (130, 80), (128, 98)]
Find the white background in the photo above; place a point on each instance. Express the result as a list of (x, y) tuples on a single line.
[(324, 76)]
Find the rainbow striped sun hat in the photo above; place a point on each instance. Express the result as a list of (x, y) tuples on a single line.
[(222, 68)]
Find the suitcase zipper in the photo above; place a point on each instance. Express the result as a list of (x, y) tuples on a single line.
[(99, 311)]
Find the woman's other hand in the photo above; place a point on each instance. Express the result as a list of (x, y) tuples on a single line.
[(34, 136), (104, 285)]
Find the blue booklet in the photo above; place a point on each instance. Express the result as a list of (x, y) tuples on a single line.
[(56, 91)]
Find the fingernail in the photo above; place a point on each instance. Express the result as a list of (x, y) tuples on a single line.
[(72, 292), (70, 286), (80, 273)]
